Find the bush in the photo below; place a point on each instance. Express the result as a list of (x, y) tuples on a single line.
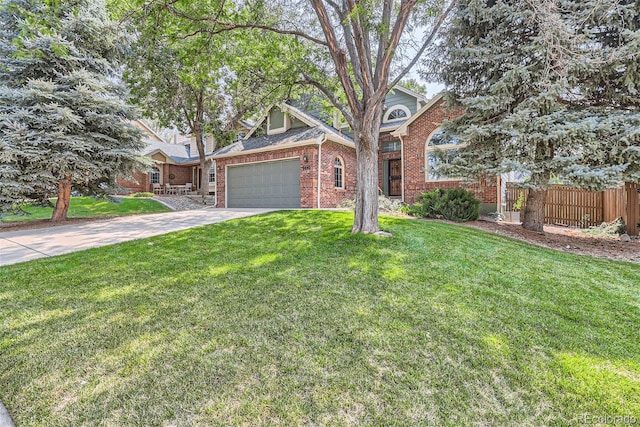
[(454, 204), (142, 194), (385, 204), (611, 229)]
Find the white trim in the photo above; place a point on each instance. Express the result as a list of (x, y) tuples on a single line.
[(319, 203), (393, 108), (418, 96), (286, 123), (226, 174), (402, 130), (402, 167), (343, 175), (313, 141), (439, 147)]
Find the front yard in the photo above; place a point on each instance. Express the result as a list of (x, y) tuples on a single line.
[(88, 207), (288, 319)]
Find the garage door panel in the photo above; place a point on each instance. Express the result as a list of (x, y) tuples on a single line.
[(270, 184)]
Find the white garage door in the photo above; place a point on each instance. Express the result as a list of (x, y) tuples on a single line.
[(264, 185)]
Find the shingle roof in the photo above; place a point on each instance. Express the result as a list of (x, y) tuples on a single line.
[(289, 137), (178, 152)]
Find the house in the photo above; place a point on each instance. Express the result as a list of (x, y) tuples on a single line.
[(176, 163), (292, 158), (289, 159)]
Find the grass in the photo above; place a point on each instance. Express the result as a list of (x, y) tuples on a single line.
[(88, 207), (288, 319)]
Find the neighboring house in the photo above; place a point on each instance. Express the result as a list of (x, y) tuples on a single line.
[(174, 163), (292, 159)]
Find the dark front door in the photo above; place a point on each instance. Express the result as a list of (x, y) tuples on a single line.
[(395, 177)]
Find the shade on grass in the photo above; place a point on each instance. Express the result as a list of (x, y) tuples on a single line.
[(287, 318), (88, 207)]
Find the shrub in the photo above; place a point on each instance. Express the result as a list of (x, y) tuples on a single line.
[(611, 229), (385, 204), (142, 194), (454, 204)]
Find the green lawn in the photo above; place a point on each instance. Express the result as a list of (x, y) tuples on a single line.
[(288, 319), (88, 207)]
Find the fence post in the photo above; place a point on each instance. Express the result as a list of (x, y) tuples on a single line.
[(632, 214)]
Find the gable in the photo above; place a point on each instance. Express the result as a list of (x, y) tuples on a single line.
[(159, 157), (396, 97)]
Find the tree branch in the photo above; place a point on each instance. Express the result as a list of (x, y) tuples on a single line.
[(334, 100), (427, 42)]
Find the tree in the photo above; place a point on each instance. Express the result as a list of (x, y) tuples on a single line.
[(189, 77), (355, 52), (64, 121), (548, 88)]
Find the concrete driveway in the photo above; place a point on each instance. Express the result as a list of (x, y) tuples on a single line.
[(26, 245)]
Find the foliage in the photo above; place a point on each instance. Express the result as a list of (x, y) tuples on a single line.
[(352, 52), (63, 112), (548, 88), (186, 74), (142, 194), (90, 207), (287, 319), (385, 204), (517, 205), (454, 204), (611, 229)]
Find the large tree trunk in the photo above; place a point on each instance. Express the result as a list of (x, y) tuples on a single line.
[(64, 199), (534, 210), (366, 216)]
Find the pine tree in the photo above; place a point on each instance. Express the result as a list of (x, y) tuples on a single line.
[(64, 119), (548, 88)]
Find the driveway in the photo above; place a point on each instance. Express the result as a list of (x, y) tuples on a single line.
[(26, 245)]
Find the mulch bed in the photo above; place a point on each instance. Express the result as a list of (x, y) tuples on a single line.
[(566, 240)]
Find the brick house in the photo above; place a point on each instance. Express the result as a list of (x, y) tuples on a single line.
[(175, 163), (407, 157), (292, 158), (289, 159)]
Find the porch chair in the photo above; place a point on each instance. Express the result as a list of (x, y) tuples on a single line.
[(157, 189), (168, 189), (187, 188)]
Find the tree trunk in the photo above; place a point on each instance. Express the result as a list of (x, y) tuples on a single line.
[(64, 199), (534, 210), (366, 215)]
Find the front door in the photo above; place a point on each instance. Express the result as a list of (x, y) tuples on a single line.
[(395, 177)]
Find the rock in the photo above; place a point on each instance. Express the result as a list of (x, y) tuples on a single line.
[(383, 234), (625, 238), (568, 246)]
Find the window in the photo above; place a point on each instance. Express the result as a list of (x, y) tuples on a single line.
[(396, 113), (154, 175), (338, 173), (212, 173), (448, 148), (390, 146)]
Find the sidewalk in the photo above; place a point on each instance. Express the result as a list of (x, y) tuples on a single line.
[(27, 245)]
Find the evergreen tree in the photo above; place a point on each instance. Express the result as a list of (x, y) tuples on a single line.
[(64, 119), (548, 88)]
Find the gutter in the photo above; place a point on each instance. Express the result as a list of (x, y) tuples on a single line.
[(321, 140)]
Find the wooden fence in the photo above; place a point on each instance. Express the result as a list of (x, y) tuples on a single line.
[(580, 208)]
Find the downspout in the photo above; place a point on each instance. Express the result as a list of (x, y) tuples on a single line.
[(320, 141), (402, 167), (214, 165)]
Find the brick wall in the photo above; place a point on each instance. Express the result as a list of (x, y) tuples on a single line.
[(414, 159), (182, 175), (329, 197), (308, 171)]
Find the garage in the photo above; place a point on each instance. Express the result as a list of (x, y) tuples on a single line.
[(264, 185)]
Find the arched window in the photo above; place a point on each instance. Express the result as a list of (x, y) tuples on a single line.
[(154, 175), (439, 141), (396, 113), (338, 172)]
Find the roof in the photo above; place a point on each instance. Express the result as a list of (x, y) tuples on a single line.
[(402, 130), (415, 94), (178, 153), (281, 140)]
